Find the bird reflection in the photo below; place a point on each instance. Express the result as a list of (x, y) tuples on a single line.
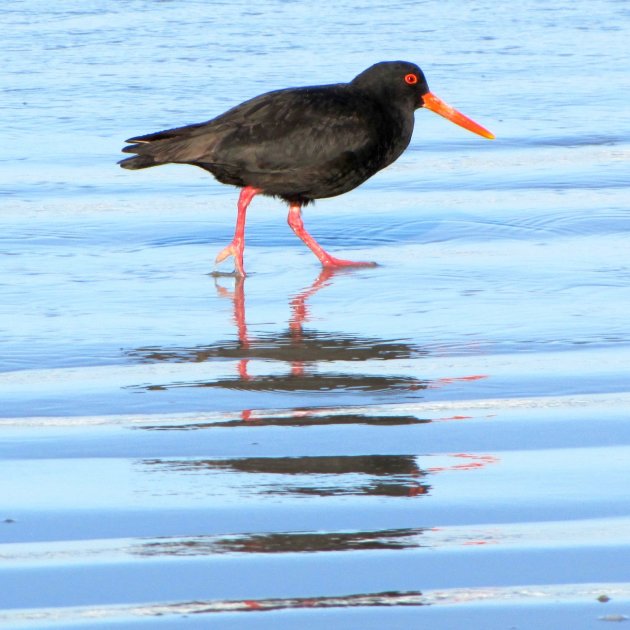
[(284, 542), (304, 350), (320, 476), (296, 418)]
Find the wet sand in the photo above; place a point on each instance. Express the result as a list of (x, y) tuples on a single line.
[(440, 441)]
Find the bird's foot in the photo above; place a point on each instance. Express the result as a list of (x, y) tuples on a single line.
[(226, 252), (232, 250), (330, 262)]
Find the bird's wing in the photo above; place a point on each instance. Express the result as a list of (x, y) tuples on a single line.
[(290, 129), (276, 131)]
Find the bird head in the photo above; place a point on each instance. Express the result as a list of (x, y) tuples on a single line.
[(406, 82)]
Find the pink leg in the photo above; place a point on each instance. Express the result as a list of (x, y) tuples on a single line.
[(237, 246), (297, 225)]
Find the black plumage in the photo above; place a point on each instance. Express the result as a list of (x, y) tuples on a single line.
[(301, 144)]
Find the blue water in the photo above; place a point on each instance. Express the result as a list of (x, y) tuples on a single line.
[(352, 450)]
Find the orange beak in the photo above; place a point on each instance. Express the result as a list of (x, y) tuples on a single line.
[(432, 102)]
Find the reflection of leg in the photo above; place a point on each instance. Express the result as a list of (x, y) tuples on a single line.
[(299, 308), (297, 368), (299, 312), (237, 246), (297, 225), (239, 312), (242, 370), (238, 302)]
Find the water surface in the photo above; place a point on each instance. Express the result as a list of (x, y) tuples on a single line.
[(442, 440)]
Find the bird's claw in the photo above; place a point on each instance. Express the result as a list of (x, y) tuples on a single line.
[(226, 252), (338, 263), (232, 250)]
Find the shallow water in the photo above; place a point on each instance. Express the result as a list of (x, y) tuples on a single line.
[(442, 440)]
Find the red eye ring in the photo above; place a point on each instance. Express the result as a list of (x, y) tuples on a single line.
[(411, 79)]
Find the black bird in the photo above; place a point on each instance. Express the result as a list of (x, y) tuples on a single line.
[(303, 143)]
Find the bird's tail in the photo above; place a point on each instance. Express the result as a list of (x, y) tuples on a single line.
[(138, 161), (161, 147)]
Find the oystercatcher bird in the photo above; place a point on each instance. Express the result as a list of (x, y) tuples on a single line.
[(302, 144)]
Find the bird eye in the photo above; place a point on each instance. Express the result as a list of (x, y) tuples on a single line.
[(411, 79)]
